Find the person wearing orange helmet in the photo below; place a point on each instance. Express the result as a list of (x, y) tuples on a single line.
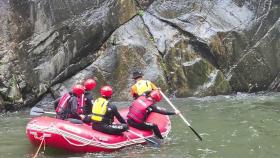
[(70, 105), (140, 110), (141, 86), (103, 113), (89, 85)]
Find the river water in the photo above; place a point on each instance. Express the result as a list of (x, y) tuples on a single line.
[(236, 126)]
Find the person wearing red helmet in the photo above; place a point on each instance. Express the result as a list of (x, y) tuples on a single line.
[(140, 110), (89, 85), (70, 105), (103, 113)]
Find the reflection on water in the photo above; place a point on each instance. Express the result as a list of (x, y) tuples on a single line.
[(243, 125)]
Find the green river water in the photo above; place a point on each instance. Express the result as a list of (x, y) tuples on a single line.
[(237, 126)]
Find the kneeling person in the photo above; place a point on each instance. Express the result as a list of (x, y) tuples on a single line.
[(103, 113), (140, 110)]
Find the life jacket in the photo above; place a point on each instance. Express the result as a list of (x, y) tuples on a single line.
[(62, 104), (143, 87), (99, 109), (138, 109)]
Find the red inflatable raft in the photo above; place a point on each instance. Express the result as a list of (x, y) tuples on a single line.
[(82, 138)]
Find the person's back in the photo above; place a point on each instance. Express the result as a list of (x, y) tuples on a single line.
[(88, 102), (61, 107), (141, 86), (70, 105), (103, 113), (140, 110), (89, 85), (100, 110)]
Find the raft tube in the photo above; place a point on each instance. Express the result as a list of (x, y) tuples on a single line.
[(75, 137)]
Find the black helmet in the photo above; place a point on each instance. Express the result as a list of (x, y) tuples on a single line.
[(137, 74)]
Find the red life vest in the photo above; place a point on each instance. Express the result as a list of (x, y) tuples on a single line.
[(63, 102), (138, 109)]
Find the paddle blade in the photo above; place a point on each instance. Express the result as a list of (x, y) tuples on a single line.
[(154, 142), (35, 111), (75, 121), (151, 141), (196, 133)]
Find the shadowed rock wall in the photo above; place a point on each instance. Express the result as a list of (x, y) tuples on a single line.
[(44, 42)]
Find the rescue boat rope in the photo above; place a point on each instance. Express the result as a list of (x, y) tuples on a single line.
[(84, 143), (42, 138), (52, 126), (94, 141)]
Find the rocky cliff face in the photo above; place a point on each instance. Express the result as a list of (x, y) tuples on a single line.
[(45, 42), (190, 48), (234, 36)]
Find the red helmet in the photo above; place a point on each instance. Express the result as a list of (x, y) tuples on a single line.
[(78, 89), (155, 95), (89, 84), (106, 91)]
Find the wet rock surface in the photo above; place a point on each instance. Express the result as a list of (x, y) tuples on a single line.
[(45, 42), (187, 47)]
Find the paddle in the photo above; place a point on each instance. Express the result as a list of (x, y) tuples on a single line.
[(35, 111), (151, 141), (183, 118)]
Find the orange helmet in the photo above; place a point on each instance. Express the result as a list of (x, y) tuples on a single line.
[(78, 89), (155, 95), (106, 91), (89, 84)]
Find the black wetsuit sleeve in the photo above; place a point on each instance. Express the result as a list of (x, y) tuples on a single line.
[(157, 109), (116, 113), (89, 100), (88, 103)]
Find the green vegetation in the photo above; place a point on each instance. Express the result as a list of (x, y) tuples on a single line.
[(141, 12)]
